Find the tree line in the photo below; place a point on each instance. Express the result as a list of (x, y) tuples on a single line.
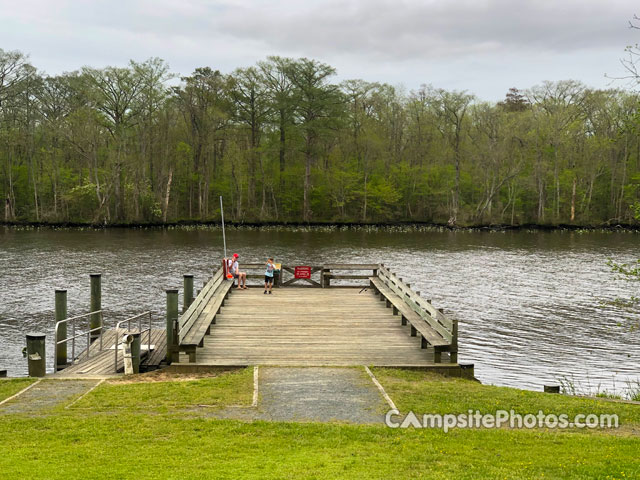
[(283, 141)]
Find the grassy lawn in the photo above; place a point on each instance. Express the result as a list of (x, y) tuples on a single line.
[(109, 434), (227, 389), (11, 386), (424, 392), (163, 446)]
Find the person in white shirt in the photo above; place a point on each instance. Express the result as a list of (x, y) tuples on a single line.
[(234, 268)]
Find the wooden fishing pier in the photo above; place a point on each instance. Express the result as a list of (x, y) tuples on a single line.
[(324, 315)]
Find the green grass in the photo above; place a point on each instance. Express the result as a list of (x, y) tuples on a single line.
[(227, 389), (607, 394), (424, 392), (162, 446), (11, 386), (149, 431), (633, 390)]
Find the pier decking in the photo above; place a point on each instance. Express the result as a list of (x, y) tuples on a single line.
[(309, 326), (380, 322), (312, 319), (102, 362)]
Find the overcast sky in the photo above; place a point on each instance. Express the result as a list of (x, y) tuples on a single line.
[(482, 46)]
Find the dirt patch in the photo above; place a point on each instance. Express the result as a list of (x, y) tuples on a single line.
[(45, 395), (168, 376)]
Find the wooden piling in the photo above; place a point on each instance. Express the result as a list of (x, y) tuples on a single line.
[(36, 358), (135, 351), (453, 351), (326, 278), (96, 303), (61, 332), (172, 320), (188, 292)]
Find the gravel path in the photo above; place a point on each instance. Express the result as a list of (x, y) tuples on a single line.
[(46, 395), (319, 394), (294, 394)]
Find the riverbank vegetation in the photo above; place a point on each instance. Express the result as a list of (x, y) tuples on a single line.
[(283, 141), (189, 440)]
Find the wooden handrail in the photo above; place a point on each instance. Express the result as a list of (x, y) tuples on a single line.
[(434, 317), (187, 319), (331, 266), (347, 266), (425, 304), (326, 271)]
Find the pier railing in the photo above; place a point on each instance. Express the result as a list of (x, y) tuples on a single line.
[(347, 272), (118, 339), (434, 326), (189, 317), (95, 333), (320, 276), (191, 327)]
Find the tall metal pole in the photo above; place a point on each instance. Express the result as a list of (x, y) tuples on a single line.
[(224, 238)]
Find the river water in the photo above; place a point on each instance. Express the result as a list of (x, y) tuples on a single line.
[(529, 305)]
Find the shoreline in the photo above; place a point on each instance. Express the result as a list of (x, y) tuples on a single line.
[(397, 227)]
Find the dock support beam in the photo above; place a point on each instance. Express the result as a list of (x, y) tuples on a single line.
[(135, 351), (172, 321), (96, 303), (61, 333), (188, 292), (36, 358), (453, 352)]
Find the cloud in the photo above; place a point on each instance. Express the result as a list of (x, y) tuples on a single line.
[(483, 46), (410, 29)]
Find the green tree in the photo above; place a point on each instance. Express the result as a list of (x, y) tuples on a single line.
[(451, 108), (319, 108), (251, 110), (115, 92), (205, 109)]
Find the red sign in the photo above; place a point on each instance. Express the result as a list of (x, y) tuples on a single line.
[(302, 272)]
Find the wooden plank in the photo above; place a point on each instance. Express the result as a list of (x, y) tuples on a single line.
[(187, 319), (291, 270), (102, 363), (346, 266), (345, 277), (434, 312), (431, 335), (433, 322), (296, 280), (200, 326), (306, 326), (202, 302)]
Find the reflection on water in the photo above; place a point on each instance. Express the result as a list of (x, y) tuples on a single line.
[(528, 303)]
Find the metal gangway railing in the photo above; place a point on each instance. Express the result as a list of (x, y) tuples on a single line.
[(95, 332), (128, 321)]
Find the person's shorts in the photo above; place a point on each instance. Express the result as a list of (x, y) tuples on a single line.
[(268, 279)]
